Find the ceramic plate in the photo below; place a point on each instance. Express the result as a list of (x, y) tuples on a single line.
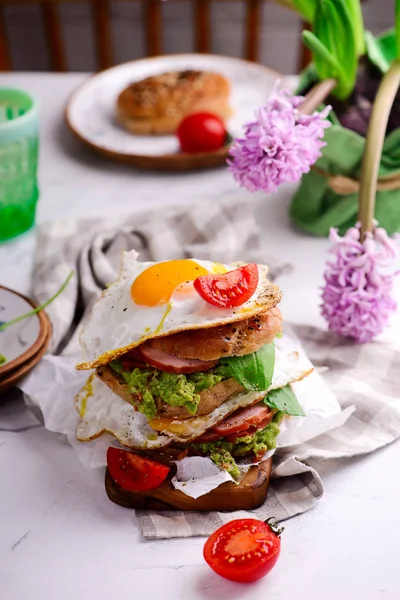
[(16, 375), (20, 341), (91, 110)]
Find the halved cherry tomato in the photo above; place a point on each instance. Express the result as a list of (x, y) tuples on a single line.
[(229, 289), (243, 418), (133, 472), (201, 132), (243, 550)]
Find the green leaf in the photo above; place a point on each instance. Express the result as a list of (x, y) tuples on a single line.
[(334, 45), (253, 371), (381, 49), (324, 30), (306, 8), (334, 24), (3, 359), (321, 55), (375, 53), (356, 18), (397, 27), (284, 400)]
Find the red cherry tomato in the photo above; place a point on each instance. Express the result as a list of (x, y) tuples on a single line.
[(133, 472), (229, 289), (201, 132), (243, 550)]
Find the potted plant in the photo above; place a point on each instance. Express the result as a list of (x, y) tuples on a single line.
[(343, 50)]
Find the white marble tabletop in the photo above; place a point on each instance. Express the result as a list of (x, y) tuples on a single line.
[(60, 537)]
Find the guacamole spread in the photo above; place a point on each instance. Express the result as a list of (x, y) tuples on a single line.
[(222, 452), (176, 390)]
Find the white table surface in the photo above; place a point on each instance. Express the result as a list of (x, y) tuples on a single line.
[(61, 538)]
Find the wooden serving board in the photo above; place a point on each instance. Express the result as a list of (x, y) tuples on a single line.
[(248, 494)]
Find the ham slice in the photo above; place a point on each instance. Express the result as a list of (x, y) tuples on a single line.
[(242, 419), (245, 421), (173, 364)]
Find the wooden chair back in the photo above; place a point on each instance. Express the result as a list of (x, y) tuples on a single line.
[(152, 26)]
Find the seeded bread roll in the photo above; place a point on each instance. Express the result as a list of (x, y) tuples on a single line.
[(232, 339), (156, 105)]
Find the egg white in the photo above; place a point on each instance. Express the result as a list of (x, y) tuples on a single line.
[(117, 324), (102, 411)]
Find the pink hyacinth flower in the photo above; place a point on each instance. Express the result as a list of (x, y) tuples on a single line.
[(279, 146), (357, 301)]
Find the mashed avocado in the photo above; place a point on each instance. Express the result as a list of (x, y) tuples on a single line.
[(176, 390), (221, 452)]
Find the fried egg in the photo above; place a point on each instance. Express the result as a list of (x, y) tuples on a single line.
[(102, 411), (154, 299)]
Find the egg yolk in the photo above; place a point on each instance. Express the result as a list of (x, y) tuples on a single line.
[(156, 284)]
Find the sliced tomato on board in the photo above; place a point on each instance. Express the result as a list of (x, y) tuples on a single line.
[(230, 289), (243, 418), (133, 472), (244, 550), (173, 364)]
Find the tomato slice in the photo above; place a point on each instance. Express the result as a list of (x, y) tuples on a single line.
[(229, 289), (243, 550), (133, 472)]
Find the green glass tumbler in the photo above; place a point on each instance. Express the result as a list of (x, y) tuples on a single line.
[(19, 145)]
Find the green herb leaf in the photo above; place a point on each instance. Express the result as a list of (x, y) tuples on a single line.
[(3, 359), (253, 371), (284, 400), (38, 308)]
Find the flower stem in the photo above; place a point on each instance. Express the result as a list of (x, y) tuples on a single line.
[(374, 144), (38, 308), (316, 96)]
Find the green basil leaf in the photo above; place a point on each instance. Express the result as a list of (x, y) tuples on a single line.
[(284, 400), (253, 371)]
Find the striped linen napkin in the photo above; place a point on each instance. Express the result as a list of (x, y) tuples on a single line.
[(363, 376)]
